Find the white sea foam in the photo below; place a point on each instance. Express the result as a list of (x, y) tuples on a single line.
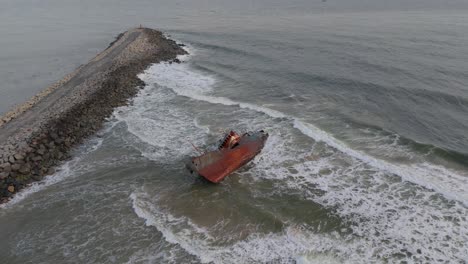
[(202, 127), (155, 120), (446, 182), (165, 128), (186, 82), (69, 169), (283, 247), (390, 217), (387, 217), (412, 232)]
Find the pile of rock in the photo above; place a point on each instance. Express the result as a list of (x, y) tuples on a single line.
[(25, 163), (37, 137)]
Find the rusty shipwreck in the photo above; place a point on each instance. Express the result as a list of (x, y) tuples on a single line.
[(233, 152)]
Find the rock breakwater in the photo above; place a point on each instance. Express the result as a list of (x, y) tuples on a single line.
[(38, 135)]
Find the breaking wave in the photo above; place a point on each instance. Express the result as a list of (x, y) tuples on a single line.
[(293, 244), (389, 218), (186, 82), (446, 182), (71, 168), (413, 211)]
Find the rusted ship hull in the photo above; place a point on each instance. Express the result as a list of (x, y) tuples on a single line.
[(234, 152)]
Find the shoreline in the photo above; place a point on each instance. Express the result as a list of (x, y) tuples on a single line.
[(37, 135)]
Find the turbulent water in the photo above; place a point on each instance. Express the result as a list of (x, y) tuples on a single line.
[(367, 159)]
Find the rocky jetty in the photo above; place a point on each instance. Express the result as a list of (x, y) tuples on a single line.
[(38, 135)]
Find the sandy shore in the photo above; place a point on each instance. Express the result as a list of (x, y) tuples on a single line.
[(37, 136)]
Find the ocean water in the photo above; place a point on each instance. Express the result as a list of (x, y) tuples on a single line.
[(367, 160)]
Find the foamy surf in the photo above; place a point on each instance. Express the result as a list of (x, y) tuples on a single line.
[(387, 221), (163, 129), (293, 243), (446, 182), (387, 217), (333, 184), (184, 81), (67, 170)]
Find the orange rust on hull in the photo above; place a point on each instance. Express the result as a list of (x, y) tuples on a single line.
[(234, 152)]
